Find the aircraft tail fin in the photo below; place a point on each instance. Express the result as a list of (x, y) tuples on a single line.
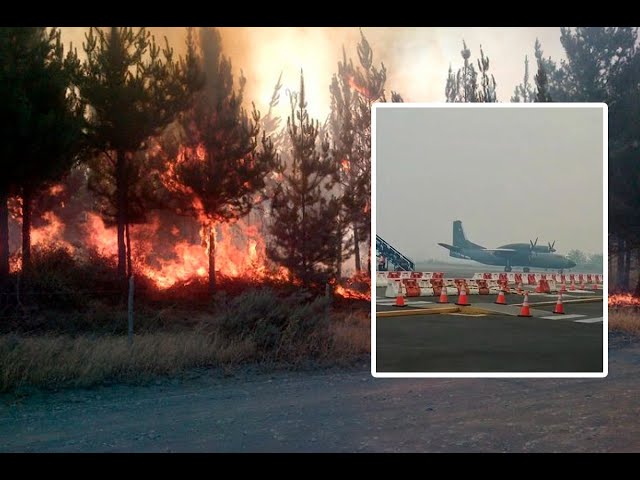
[(459, 238)]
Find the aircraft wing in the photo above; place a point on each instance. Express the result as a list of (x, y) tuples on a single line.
[(451, 247)]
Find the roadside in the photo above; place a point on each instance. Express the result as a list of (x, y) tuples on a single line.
[(336, 410)]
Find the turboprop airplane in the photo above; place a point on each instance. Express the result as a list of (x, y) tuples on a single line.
[(511, 255)]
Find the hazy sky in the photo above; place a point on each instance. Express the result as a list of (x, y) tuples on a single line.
[(417, 58), (509, 174)]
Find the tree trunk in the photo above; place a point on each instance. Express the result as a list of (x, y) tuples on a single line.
[(26, 228), (620, 266), (369, 261), (637, 289), (121, 215), (627, 266), (127, 227), (339, 253), (212, 260), (356, 251), (4, 237)]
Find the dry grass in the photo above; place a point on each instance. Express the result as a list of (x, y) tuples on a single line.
[(58, 361), (63, 361), (624, 320)]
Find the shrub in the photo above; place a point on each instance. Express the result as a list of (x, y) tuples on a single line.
[(281, 327)]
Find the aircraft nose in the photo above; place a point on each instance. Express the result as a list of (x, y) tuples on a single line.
[(571, 263)]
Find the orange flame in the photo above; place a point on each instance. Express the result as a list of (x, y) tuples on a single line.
[(358, 88), (623, 300)]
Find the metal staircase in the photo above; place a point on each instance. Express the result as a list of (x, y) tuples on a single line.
[(394, 256)]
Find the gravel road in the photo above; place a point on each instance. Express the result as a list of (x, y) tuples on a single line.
[(335, 411)]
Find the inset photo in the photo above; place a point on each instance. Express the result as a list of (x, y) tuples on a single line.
[(490, 233)]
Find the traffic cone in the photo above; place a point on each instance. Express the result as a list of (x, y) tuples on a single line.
[(563, 288), (595, 287), (559, 307), (400, 297), (443, 295), (524, 311), (501, 300), (572, 287), (539, 287), (462, 299)]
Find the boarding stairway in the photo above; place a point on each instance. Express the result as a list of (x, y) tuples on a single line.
[(400, 261)]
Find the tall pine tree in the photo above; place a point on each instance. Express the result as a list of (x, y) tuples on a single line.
[(224, 163), (463, 85), (42, 121), (304, 230), (353, 90), (135, 89), (541, 78), (524, 92)]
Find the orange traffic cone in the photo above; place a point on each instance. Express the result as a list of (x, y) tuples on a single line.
[(559, 307), (443, 295), (572, 287), (501, 300), (462, 299), (539, 287), (595, 287), (400, 298), (563, 288), (524, 311)]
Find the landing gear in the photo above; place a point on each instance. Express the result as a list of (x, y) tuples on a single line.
[(561, 271), (507, 268), (525, 269)]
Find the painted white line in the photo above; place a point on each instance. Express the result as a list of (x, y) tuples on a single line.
[(563, 317), (419, 302), (590, 320)]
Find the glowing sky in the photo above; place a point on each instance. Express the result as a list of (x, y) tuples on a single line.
[(417, 58)]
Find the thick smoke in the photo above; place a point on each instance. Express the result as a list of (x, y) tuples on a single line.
[(417, 59)]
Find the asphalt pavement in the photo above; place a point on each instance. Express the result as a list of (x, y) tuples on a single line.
[(426, 336)]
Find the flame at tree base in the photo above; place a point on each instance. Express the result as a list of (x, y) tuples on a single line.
[(623, 300)]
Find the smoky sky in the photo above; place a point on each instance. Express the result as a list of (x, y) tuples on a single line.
[(417, 59), (510, 175)]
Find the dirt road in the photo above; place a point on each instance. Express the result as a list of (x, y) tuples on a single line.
[(336, 411)]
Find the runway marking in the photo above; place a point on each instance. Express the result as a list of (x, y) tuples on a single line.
[(563, 317), (391, 301), (590, 320)]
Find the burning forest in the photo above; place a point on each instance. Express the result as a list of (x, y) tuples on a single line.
[(182, 184)]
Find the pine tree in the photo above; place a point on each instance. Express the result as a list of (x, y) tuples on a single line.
[(42, 121), (524, 92), (305, 232), (463, 85), (135, 89), (222, 164), (353, 91), (541, 78)]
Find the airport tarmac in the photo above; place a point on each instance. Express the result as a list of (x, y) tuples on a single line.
[(486, 337)]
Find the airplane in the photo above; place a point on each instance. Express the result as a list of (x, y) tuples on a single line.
[(510, 255)]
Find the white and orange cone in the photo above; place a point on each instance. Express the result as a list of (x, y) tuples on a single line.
[(525, 311), (400, 297), (501, 300), (443, 295), (559, 307), (462, 298)]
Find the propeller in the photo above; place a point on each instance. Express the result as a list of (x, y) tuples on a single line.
[(533, 244), (551, 249)]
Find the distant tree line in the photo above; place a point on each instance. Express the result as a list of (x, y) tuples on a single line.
[(602, 65)]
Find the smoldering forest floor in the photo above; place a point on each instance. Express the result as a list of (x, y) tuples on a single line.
[(342, 410)]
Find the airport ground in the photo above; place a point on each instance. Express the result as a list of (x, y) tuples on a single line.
[(487, 337)]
